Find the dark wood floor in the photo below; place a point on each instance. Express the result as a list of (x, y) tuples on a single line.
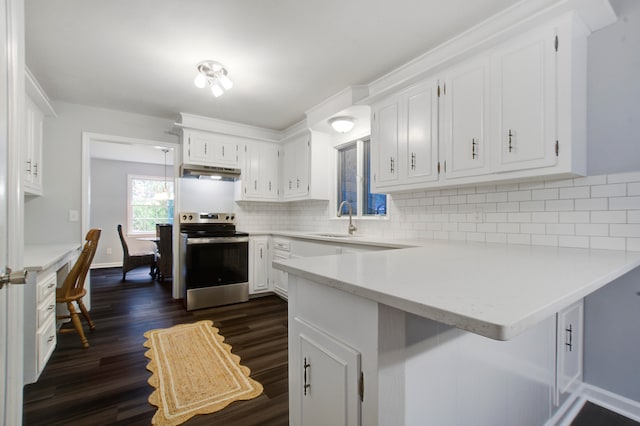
[(107, 383)]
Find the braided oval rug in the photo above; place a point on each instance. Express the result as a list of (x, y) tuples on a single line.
[(194, 372)]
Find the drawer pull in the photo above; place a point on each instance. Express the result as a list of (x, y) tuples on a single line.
[(50, 339), (50, 308), (51, 285)]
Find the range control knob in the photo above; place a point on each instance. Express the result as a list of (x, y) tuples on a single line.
[(184, 217), (233, 217), (190, 217)]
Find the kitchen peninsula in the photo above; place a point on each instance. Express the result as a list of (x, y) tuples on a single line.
[(411, 336)]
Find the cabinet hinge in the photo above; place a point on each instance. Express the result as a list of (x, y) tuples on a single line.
[(444, 89), (445, 166), (245, 148), (556, 43), (438, 167), (374, 116), (438, 90), (361, 387), (557, 148)]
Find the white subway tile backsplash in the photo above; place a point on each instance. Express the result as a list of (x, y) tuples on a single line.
[(607, 243), (575, 192), (519, 196), (624, 203), (559, 205), (624, 177), (633, 216), (574, 217), (633, 188), (545, 217), (545, 194), (593, 229), (619, 216), (612, 190), (593, 211), (629, 230), (592, 204)]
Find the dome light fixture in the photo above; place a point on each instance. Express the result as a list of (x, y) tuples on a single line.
[(342, 124), (215, 75)]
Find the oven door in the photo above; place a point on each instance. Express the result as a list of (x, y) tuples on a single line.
[(216, 261)]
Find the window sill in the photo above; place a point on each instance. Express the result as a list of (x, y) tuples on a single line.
[(366, 218)]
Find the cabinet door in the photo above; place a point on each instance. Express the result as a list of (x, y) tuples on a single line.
[(199, 150), (32, 151), (251, 172), (570, 346), (296, 167), (269, 171), (280, 284), (465, 103), (524, 78), (225, 153), (330, 372), (385, 140), (260, 264), (421, 127)]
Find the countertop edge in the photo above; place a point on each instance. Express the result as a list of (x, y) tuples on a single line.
[(39, 257)]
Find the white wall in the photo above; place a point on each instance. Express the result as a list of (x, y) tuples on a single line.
[(46, 217)]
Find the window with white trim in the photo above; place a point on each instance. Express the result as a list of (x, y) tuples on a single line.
[(354, 181), (149, 201)]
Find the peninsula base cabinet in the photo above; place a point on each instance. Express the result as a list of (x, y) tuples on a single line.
[(259, 264), (370, 364)]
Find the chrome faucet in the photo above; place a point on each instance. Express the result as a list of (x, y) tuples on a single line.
[(352, 227)]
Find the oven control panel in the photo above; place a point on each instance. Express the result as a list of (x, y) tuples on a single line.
[(191, 217)]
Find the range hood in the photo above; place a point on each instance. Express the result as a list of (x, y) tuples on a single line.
[(209, 172)]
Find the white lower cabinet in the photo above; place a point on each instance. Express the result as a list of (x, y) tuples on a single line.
[(569, 349), (40, 326), (281, 251), (259, 264), (330, 378)]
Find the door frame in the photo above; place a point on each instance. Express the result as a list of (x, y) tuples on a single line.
[(87, 139), (12, 133)]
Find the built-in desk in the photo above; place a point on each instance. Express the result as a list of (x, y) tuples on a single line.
[(47, 266)]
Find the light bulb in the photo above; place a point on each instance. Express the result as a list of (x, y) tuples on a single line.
[(216, 89), (200, 81), (226, 82)]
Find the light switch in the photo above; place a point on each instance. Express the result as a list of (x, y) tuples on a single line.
[(74, 215)]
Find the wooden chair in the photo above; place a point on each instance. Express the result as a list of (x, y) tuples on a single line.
[(131, 261), (72, 289)]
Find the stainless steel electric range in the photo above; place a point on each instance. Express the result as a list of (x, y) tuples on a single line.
[(214, 260)]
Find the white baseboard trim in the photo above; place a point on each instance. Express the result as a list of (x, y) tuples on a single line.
[(614, 402), (568, 411), (106, 265)]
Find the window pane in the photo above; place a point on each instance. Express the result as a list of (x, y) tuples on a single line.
[(374, 204), (151, 202), (347, 178)]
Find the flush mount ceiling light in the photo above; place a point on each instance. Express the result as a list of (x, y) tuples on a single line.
[(215, 75), (342, 124)]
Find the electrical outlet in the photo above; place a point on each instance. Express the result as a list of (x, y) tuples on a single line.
[(74, 215)]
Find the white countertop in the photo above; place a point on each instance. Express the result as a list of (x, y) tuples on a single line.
[(493, 290), (42, 256), (340, 238)]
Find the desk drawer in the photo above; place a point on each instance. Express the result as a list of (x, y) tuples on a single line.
[(46, 338), (46, 310), (46, 286)]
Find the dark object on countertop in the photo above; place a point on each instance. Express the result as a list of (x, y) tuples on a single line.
[(595, 415)]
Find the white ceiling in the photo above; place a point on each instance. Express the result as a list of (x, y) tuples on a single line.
[(284, 56)]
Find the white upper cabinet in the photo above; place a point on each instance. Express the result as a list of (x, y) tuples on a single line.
[(260, 172), (305, 167), (524, 102), (404, 137), (511, 112), (465, 125), (32, 151), (210, 149)]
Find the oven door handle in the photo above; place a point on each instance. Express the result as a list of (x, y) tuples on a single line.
[(217, 240)]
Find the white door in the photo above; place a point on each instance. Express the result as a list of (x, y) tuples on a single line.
[(330, 376), (466, 130), (524, 87), (11, 133), (385, 140), (422, 133)]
